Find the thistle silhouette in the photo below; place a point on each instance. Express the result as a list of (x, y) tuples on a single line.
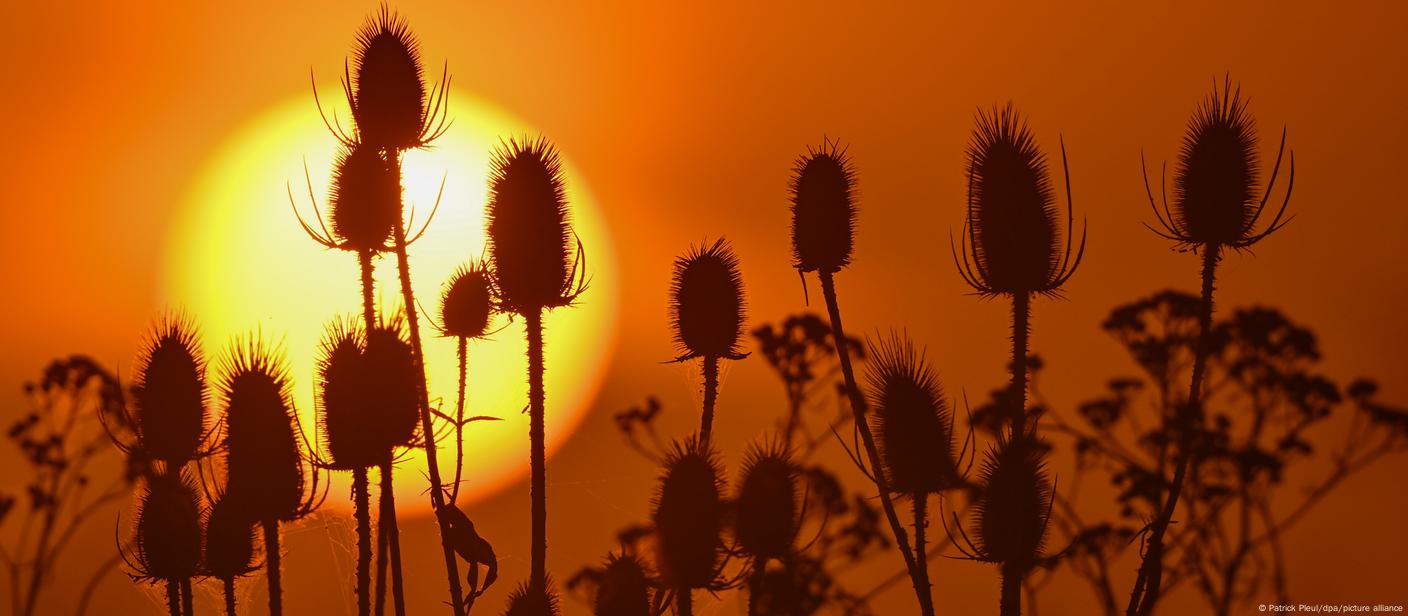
[(229, 547), (167, 546), (170, 395), (263, 458), (624, 588), (767, 514), (466, 310), (688, 518), (1215, 207), (823, 226), (1011, 513), (534, 269), (529, 600), (707, 311)]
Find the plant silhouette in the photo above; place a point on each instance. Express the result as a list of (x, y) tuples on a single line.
[(229, 547), (473, 549), (526, 600), (466, 311), (534, 269), (688, 517), (167, 546), (1215, 207), (623, 588), (707, 311), (1011, 514), (169, 395), (766, 518)]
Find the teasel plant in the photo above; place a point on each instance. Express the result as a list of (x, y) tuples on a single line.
[(1011, 515), (914, 424), (1011, 243), (474, 549), (169, 399), (823, 195), (264, 456), (167, 545), (688, 516), (1215, 208), (768, 509), (530, 600), (391, 368), (229, 547), (707, 310), (534, 268), (623, 587), (467, 311)]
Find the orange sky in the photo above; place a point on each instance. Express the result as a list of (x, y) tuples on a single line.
[(685, 123)]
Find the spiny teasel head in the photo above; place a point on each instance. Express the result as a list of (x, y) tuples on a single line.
[(387, 91), (688, 516), (229, 541), (624, 589), (912, 419), (706, 302), (365, 199), (167, 545), (1014, 503), (346, 416), (529, 600), (1216, 176), (264, 461), (391, 369), (766, 507), (823, 209), (530, 229), (467, 305), (1011, 240), (170, 393)]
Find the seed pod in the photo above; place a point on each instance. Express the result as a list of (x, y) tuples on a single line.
[(785, 590), (390, 365), (168, 528), (688, 517), (766, 516), (345, 414), (170, 393), (529, 228), (706, 302), (365, 199), (624, 589), (264, 462), (1012, 510), (229, 541), (526, 600), (912, 419), (1214, 182), (823, 209), (468, 302), (388, 91)]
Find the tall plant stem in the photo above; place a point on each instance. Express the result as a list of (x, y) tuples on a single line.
[(437, 493), (533, 321), (188, 604), (755, 584), (1011, 591), (1146, 585), (858, 406), (921, 523), (684, 602), (711, 395), (173, 596), (271, 557), (361, 505), (364, 260), (1021, 329), (463, 351), (229, 584), (387, 527)]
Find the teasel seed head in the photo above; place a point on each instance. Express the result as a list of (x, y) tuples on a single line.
[(1015, 503), (530, 229), (170, 393), (365, 199), (264, 461), (529, 600), (823, 209), (707, 304), (229, 541), (688, 516), (388, 95), (1012, 242), (391, 369), (766, 508), (624, 588), (912, 419), (168, 528), (467, 305), (345, 412)]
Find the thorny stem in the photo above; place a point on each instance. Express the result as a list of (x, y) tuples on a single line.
[(271, 557), (173, 596), (1011, 591), (389, 528), (711, 394), (188, 604), (921, 522), (229, 584), (534, 324), (684, 602), (361, 504), (459, 419), (437, 493), (921, 589), (1146, 586), (364, 259), (1021, 328)]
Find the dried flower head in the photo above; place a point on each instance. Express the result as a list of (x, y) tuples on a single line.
[(706, 302), (624, 589), (912, 418), (392, 373), (229, 541), (345, 415), (1216, 177), (387, 95), (365, 199), (766, 509), (530, 229), (168, 529), (529, 600), (170, 392), (1015, 503), (688, 517), (264, 460), (823, 209), (467, 304), (1011, 240)]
